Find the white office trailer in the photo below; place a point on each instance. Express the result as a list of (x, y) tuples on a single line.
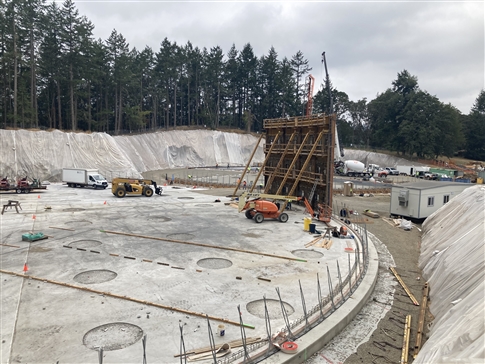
[(418, 200)]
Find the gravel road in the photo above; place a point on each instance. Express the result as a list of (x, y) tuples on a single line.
[(404, 247)]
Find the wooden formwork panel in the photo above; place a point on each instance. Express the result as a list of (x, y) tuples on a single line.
[(295, 149)]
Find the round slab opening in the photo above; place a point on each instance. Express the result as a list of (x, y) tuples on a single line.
[(307, 254), (214, 263), (95, 276), (113, 336), (85, 244), (256, 308)]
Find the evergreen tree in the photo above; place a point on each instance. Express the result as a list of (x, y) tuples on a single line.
[(300, 68), (475, 129)]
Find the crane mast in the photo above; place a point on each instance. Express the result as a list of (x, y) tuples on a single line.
[(338, 151), (310, 84)]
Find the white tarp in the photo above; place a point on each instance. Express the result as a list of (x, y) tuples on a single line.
[(381, 159), (43, 154), (453, 262)]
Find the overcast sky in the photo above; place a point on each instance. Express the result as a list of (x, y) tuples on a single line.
[(366, 42)]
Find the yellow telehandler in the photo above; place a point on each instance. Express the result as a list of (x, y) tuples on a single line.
[(134, 186)]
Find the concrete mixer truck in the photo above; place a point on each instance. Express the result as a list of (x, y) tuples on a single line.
[(351, 168)]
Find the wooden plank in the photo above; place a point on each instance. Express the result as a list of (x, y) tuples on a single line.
[(411, 296), (126, 298), (232, 344), (203, 245), (55, 227), (405, 340), (422, 314), (13, 246)]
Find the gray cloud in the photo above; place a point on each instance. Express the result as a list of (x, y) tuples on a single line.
[(366, 43)]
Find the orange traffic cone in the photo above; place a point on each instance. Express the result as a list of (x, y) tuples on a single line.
[(25, 268), (38, 196), (104, 203), (33, 217)]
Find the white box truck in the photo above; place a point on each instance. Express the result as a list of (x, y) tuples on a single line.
[(81, 177), (411, 170)]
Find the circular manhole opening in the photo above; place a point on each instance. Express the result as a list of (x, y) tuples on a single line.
[(113, 336), (256, 308), (95, 276), (73, 209), (85, 243), (79, 222), (185, 198), (308, 254), (214, 263), (160, 218), (181, 236)]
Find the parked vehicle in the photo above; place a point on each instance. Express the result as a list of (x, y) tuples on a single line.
[(431, 176), (81, 177), (120, 187), (392, 171), (411, 170), (351, 168), (22, 185)]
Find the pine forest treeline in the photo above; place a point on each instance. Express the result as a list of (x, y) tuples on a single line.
[(55, 75)]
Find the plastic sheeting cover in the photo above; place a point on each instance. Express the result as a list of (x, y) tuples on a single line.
[(453, 262), (42, 154), (381, 159)]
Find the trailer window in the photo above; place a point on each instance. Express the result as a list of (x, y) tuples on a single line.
[(430, 201), (446, 198)]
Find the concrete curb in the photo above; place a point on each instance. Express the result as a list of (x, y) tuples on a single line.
[(317, 338)]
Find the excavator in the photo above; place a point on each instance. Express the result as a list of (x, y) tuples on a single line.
[(258, 207), (120, 187)]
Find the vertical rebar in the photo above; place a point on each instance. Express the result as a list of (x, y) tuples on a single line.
[(268, 323), (183, 351), (303, 303), (330, 288), (319, 294), (285, 314), (144, 344), (211, 340), (243, 335), (340, 282), (350, 276)]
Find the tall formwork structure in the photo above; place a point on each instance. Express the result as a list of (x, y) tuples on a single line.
[(299, 157)]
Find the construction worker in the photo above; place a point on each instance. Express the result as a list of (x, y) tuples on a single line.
[(288, 205), (244, 185), (343, 231)]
